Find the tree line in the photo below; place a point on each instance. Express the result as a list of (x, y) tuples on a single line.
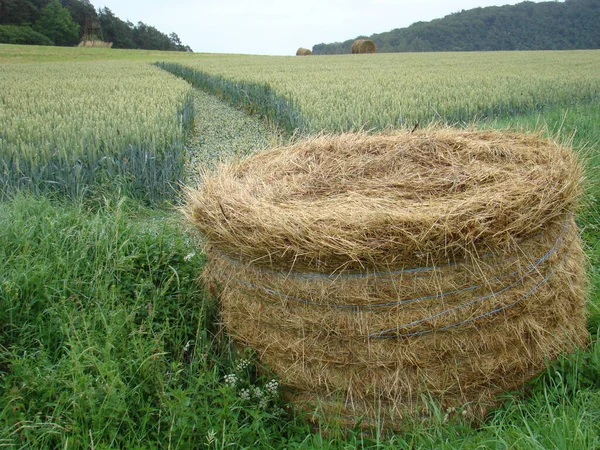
[(568, 25), (67, 22)]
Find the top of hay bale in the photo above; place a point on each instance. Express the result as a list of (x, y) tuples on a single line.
[(363, 46), (359, 202), (303, 52)]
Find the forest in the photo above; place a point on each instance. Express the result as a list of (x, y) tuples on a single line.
[(568, 25), (68, 22)]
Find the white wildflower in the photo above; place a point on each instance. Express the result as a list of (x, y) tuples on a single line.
[(231, 379), (277, 411), (245, 394), (272, 387), (243, 364)]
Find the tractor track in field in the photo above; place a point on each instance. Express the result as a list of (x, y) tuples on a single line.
[(222, 132)]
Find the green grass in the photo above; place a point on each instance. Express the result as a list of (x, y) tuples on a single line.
[(106, 339)]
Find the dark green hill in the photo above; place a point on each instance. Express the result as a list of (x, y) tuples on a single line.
[(572, 24)]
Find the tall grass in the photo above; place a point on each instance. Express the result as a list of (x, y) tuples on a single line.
[(345, 92), (69, 127), (106, 340)]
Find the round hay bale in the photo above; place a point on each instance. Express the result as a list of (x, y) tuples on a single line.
[(363, 46), (303, 52), (372, 271)]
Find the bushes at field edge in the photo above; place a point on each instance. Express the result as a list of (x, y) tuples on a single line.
[(22, 35)]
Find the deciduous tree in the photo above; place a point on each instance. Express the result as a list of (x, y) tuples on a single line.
[(56, 23)]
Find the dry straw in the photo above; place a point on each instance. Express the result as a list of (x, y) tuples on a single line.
[(303, 52), (95, 44), (363, 46), (372, 272)]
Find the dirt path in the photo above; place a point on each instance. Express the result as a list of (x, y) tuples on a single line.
[(222, 132)]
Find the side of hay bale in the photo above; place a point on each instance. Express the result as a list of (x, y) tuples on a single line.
[(460, 343), (373, 271), (303, 52), (363, 46)]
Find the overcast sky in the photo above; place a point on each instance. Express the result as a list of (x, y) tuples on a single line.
[(271, 27)]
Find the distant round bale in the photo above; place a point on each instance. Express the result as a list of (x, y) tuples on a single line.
[(303, 52), (363, 46), (379, 275)]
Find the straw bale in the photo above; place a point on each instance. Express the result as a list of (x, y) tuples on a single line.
[(363, 46), (373, 271), (303, 52)]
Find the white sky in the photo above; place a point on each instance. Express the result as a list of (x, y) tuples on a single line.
[(272, 27)]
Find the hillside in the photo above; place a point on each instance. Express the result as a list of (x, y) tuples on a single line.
[(568, 25)]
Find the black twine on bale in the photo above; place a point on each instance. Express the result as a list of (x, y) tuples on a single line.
[(393, 332)]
